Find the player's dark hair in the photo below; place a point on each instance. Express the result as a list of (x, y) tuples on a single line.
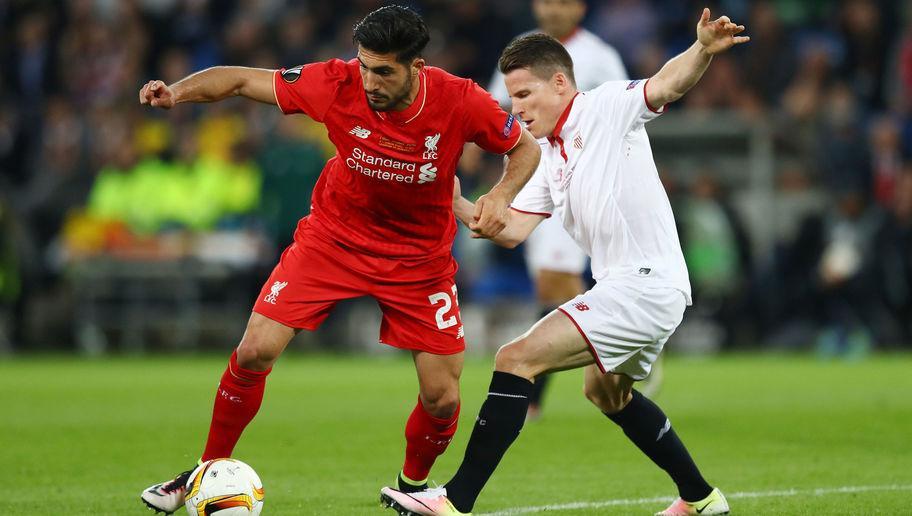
[(540, 54), (393, 29)]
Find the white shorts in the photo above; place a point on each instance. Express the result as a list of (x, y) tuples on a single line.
[(626, 325), (549, 247)]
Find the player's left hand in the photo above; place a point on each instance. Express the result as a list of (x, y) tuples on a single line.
[(718, 35), (491, 212)]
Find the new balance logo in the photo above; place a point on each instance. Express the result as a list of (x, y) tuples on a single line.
[(428, 173), (578, 141), (274, 291), (461, 332), (360, 132), (430, 144), (582, 307)]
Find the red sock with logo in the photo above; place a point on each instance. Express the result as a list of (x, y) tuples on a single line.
[(426, 437), (237, 401)]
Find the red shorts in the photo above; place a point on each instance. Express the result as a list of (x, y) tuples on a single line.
[(418, 300)]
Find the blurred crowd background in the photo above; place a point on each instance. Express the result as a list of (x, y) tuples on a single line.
[(123, 227)]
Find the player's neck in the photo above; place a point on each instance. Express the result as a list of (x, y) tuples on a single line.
[(412, 96), (412, 105), (567, 99)]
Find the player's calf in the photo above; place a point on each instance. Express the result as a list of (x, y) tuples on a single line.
[(427, 437)]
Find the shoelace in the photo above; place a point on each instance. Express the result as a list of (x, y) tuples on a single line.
[(178, 483), (434, 492)]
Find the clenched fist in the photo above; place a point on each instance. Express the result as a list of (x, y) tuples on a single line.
[(157, 94)]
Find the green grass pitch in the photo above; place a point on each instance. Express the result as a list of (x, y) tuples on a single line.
[(86, 436)]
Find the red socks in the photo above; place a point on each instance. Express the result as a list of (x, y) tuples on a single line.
[(237, 400), (240, 394), (427, 437)]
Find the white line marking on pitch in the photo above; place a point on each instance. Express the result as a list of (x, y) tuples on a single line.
[(732, 496)]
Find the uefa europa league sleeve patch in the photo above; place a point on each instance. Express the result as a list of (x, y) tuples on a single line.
[(292, 74), (508, 126)]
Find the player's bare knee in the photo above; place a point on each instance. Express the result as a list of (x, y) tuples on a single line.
[(255, 354), (514, 359), (442, 404)]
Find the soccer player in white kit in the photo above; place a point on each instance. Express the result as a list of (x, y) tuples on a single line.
[(554, 260), (597, 174)]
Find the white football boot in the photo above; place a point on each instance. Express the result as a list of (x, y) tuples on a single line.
[(715, 503), (167, 496), (431, 502)]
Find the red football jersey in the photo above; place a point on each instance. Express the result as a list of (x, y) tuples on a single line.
[(388, 191)]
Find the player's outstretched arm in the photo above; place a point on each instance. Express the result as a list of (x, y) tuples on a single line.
[(492, 208), (518, 225), (211, 85), (681, 73)]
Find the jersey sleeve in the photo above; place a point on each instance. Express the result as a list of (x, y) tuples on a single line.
[(310, 89), (623, 104), (535, 196), (486, 124)]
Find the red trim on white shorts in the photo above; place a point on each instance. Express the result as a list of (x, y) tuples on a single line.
[(598, 361)]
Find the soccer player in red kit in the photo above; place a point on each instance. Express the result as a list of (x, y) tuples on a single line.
[(381, 222)]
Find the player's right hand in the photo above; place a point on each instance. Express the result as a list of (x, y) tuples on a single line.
[(491, 213), (157, 94)]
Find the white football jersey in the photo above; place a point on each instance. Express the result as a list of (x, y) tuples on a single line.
[(594, 62), (598, 175)]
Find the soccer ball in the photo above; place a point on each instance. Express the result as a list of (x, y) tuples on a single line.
[(224, 487)]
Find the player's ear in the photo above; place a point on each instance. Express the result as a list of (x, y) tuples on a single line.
[(417, 64), (560, 82)]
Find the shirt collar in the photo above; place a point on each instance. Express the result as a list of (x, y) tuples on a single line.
[(555, 134), (417, 106)]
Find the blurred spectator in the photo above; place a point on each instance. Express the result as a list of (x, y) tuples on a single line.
[(867, 25), (852, 308), (627, 25), (893, 256), (717, 253), (803, 96), (33, 73), (10, 281), (886, 158), (291, 166), (843, 159), (59, 182), (769, 61)]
